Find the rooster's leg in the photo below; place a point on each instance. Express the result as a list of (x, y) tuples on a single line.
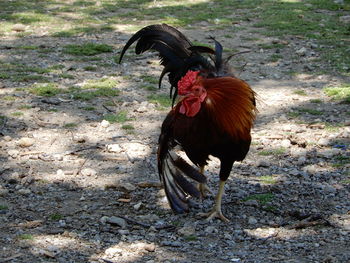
[(216, 211), (203, 187)]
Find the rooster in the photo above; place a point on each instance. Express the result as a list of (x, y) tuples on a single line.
[(213, 116)]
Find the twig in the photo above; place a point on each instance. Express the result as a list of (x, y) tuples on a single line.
[(31, 153), (84, 148), (81, 166), (108, 109)]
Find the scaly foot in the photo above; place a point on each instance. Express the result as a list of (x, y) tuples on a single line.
[(214, 214), (204, 190)]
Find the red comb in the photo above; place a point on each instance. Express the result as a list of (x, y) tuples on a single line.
[(186, 82)]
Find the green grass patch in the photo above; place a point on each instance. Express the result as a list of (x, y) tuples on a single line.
[(17, 113), (70, 125), (341, 93), (149, 79), (45, 90), (341, 161), (300, 92), (26, 237), (25, 107), (89, 108), (275, 152), (9, 98), (268, 179), (120, 117), (90, 68), (316, 101), (128, 127), (66, 76), (3, 207), (88, 49), (261, 198), (346, 181), (56, 217), (190, 238), (275, 57), (293, 114), (149, 87), (310, 111), (160, 99), (104, 83)]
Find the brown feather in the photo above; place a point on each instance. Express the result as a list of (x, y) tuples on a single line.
[(230, 103)]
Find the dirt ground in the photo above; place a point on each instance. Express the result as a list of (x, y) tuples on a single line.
[(75, 188)]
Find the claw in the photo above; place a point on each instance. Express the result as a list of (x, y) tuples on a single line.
[(214, 214), (216, 211)]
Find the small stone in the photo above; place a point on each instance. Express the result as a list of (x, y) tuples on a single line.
[(301, 160), (301, 51), (138, 206), (210, 230), (252, 220), (7, 138), (26, 142), (19, 28), (143, 107), (263, 163), (13, 153), (88, 172), (128, 186), (60, 172), (104, 219), (124, 232), (114, 148), (285, 143), (24, 191), (3, 191), (186, 231), (117, 221), (105, 124), (323, 142)]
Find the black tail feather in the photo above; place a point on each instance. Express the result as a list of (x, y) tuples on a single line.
[(178, 189)]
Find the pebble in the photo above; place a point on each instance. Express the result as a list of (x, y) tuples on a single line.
[(128, 186), (301, 160), (114, 220), (210, 230), (301, 52), (26, 142), (104, 124), (88, 172), (252, 220), (323, 142), (138, 206), (3, 191), (13, 153), (24, 191), (114, 148), (263, 163), (7, 138), (186, 231), (285, 143)]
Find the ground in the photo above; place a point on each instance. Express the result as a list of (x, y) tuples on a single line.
[(78, 135)]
